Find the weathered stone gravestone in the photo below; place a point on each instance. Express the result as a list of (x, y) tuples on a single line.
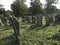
[(0, 23), (28, 19), (51, 19), (15, 25), (3, 20), (39, 20), (47, 21), (57, 19), (5, 23), (23, 18), (33, 19)]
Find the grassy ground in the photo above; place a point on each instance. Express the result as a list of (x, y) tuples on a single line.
[(31, 34)]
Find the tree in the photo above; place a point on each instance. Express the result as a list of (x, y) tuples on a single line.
[(36, 7), (19, 8), (50, 8), (8, 13)]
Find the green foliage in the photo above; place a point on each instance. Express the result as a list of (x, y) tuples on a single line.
[(50, 8), (36, 7), (19, 8), (34, 36), (2, 11), (8, 13)]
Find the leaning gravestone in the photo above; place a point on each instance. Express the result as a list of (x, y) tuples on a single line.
[(47, 21), (0, 24), (39, 20), (15, 25)]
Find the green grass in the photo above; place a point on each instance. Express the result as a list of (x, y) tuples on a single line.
[(31, 34), (39, 34)]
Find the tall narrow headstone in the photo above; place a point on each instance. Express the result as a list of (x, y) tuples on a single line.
[(51, 19), (0, 24), (57, 19), (39, 20), (4, 21), (47, 21), (23, 18), (29, 20), (15, 25), (33, 19)]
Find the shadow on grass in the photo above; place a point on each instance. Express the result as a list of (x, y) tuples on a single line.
[(11, 40), (4, 29), (35, 26), (56, 37), (56, 23)]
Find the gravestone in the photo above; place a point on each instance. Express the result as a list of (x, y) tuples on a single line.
[(57, 19), (51, 19), (47, 20), (0, 23), (33, 19), (15, 25), (39, 20), (28, 19), (23, 18), (3, 20)]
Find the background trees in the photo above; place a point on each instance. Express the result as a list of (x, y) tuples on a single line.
[(50, 8), (19, 8), (36, 7)]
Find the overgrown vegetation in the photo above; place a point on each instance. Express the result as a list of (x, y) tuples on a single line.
[(38, 25), (31, 34)]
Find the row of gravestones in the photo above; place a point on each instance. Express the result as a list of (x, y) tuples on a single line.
[(4, 21), (48, 19), (37, 19)]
